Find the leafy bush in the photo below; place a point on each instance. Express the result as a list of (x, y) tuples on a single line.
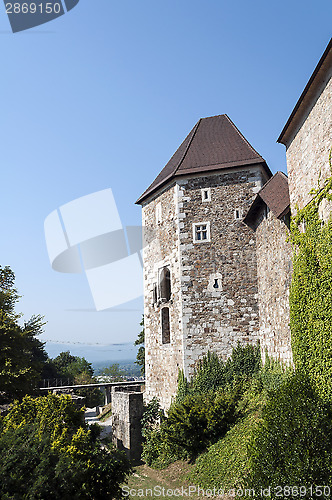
[(156, 451), (199, 421), (292, 445), (46, 451)]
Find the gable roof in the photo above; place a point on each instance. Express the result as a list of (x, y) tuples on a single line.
[(213, 144), (309, 94), (274, 194)]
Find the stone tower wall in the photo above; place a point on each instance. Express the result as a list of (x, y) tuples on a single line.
[(217, 319), (274, 269), (162, 360), (308, 151)]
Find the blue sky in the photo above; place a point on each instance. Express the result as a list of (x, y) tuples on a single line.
[(102, 97)]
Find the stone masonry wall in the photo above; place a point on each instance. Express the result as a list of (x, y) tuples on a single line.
[(127, 411), (216, 319), (162, 361), (308, 152), (274, 267)]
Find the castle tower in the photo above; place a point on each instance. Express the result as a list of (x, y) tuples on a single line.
[(200, 270)]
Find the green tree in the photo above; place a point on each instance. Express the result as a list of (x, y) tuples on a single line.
[(22, 354), (47, 451), (69, 366), (140, 357)]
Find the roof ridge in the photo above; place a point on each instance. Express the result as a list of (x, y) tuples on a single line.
[(188, 145), (242, 136)]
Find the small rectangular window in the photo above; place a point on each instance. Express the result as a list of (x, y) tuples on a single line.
[(201, 231), (237, 214)]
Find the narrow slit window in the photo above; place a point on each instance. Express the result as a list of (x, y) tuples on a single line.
[(155, 294), (165, 284), (216, 283), (165, 326), (206, 194), (237, 214)]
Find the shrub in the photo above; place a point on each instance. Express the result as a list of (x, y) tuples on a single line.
[(156, 451), (199, 421), (244, 362), (292, 446), (209, 374)]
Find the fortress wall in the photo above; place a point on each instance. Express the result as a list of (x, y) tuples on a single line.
[(308, 151), (274, 268)]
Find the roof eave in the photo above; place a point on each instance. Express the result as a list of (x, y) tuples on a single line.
[(205, 169), (306, 96)]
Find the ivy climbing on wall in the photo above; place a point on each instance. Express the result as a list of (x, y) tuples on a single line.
[(311, 290)]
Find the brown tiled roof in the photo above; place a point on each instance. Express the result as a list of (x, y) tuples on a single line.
[(214, 143), (317, 79), (275, 194)]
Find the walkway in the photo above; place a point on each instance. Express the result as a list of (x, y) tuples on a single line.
[(90, 416)]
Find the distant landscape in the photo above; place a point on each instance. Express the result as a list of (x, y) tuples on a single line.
[(96, 354)]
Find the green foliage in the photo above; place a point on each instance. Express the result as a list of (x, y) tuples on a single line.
[(244, 362), (152, 415), (311, 293), (226, 462), (140, 357), (200, 420), (114, 372), (292, 444), (209, 374), (69, 366), (46, 451), (184, 388), (272, 374), (212, 373), (22, 355)]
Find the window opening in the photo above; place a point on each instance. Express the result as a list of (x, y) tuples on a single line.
[(165, 284), (216, 284), (237, 214), (201, 232), (155, 295), (206, 194), (165, 327)]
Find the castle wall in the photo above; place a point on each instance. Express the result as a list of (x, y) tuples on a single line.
[(162, 360), (216, 319), (274, 267), (308, 151)]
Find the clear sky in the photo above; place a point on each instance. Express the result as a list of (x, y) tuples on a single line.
[(102, 97)]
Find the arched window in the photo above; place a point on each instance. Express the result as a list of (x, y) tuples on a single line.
[(165, 285), (165, 327)]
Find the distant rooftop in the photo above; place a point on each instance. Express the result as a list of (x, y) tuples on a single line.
[(213, 144)]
